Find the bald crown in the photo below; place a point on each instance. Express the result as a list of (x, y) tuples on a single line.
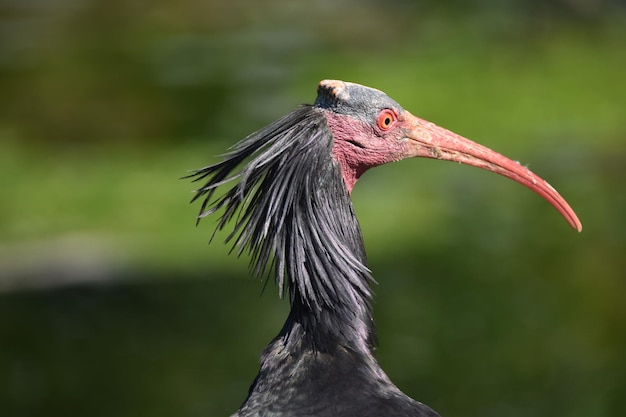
[(353, 99)]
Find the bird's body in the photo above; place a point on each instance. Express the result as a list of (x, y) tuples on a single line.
[(292, 211), (299, 381)]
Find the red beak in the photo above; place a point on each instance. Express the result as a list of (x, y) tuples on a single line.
[(428, 140)]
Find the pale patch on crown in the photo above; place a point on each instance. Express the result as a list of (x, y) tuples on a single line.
[(333, 90)]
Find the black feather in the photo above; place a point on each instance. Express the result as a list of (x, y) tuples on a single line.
[(292, 211)]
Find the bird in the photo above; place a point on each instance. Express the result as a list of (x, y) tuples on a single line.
[(288, 199)]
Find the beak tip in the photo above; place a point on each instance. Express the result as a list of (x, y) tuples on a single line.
[(579, 226), (573, 221)]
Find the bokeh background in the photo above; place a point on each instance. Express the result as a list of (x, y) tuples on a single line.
[(113, 304)]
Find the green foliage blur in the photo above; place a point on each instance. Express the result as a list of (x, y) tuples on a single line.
[(113, 304)]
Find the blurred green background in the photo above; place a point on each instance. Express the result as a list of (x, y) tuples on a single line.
[(113, 304)]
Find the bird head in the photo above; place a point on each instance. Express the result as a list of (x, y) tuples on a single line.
[(370, 129)]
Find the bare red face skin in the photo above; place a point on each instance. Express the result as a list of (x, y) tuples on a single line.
[(358, 147)]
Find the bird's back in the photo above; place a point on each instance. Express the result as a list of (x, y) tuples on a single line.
[(336, 383)]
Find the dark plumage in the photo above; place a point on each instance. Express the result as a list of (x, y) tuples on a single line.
[(291, 209)]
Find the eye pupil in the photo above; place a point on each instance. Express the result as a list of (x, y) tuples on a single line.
[(387, 121)]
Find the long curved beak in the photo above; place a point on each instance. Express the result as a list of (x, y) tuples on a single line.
[(427, 140)]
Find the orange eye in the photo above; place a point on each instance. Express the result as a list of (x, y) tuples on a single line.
[(386, 119)]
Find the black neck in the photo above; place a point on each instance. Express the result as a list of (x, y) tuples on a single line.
[(329, 286)]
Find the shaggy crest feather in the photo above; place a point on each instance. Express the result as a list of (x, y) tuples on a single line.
[(291, 211)]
